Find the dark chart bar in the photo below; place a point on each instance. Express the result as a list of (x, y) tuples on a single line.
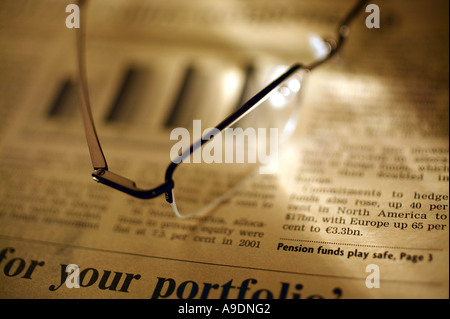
[(66, 101), (179, 114), (248, 89), (129, 97)]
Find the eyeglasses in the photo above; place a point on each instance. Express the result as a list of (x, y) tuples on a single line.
[(275, 106)]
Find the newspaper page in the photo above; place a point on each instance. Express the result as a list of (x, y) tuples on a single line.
[(357, 209)]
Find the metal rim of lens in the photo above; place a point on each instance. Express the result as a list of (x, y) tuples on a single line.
[(288, 128)]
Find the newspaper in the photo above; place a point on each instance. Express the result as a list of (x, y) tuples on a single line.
[(357, 209)]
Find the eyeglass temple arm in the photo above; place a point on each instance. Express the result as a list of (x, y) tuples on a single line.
[(98, 159), (95, 150)]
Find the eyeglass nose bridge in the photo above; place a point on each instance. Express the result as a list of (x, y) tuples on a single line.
[(129, 187)]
